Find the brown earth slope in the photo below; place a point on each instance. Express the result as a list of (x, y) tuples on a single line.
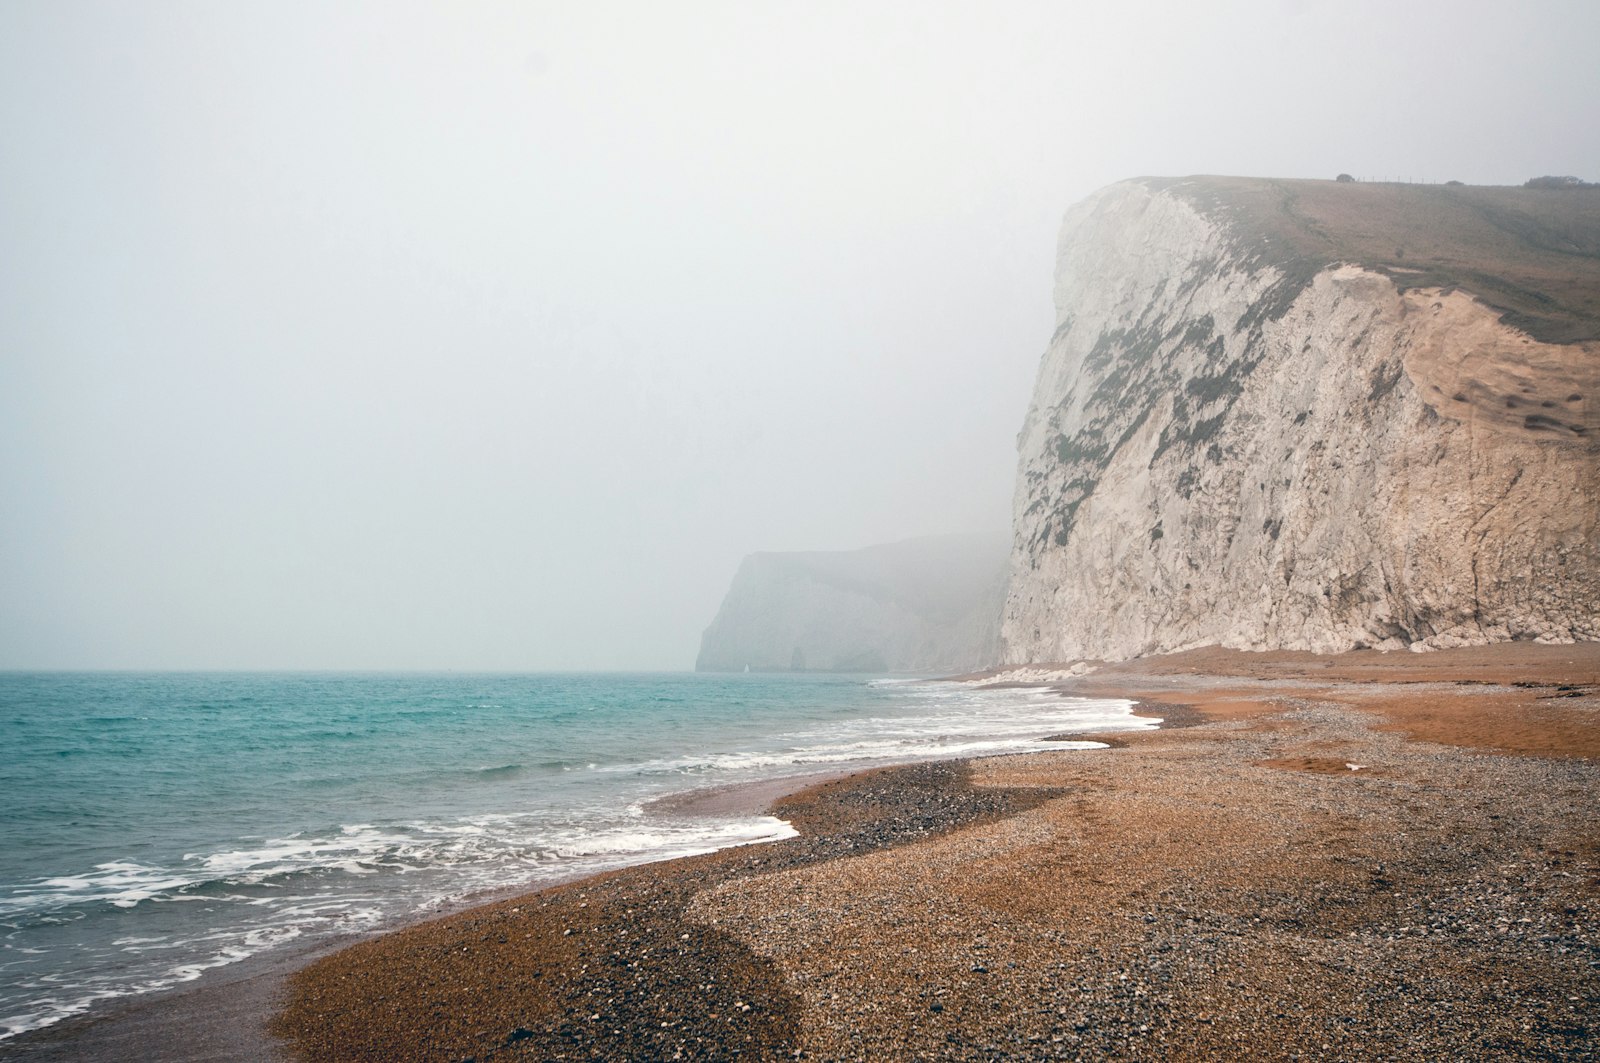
[(1533, 254)]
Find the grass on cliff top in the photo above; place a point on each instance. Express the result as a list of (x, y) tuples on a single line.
[(1533, 254)]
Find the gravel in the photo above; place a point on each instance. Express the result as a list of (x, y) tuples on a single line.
[(1219, 891)]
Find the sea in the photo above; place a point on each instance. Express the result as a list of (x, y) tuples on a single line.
[(157, 826)]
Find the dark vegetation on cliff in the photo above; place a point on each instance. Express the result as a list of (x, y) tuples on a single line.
[(1531, 253)]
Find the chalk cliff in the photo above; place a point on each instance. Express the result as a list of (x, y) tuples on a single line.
[(923, 605), (1308, 415)]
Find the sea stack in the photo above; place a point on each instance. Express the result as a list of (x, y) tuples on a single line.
[(1316, 416)]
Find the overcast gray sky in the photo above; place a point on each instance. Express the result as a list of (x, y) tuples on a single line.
[(478, 335)]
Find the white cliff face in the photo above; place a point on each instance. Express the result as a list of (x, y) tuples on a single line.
[(1227, 447), (923, 605)]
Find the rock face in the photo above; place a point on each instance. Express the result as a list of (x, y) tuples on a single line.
[(1301, 415), (924, 605)]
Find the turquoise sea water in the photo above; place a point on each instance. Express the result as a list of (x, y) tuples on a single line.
[(155, 826)]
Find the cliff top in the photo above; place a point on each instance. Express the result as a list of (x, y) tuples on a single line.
[(1531, 253)]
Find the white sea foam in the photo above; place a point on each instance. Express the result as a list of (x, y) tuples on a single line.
[(1033, 676), (216, 906), (121, 883), (964, 721)]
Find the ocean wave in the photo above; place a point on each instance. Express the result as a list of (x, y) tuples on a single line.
[(499, 771), (498, 842), (312, 841), (964, 722), (487, 852)]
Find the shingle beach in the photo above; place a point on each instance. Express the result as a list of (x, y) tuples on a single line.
[(1358, 857)]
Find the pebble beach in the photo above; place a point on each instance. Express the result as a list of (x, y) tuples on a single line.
[(1366, 856)]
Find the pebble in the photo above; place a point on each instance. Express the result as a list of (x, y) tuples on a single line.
[(1168, 899)]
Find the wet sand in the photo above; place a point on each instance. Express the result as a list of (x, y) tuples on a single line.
[(740, 799), (221, 1016), (1362, 856)]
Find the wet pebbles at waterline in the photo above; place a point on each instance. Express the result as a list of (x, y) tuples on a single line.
[(160, 825)]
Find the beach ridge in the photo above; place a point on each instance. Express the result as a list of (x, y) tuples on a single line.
[(1356, 856), (1291, 875)]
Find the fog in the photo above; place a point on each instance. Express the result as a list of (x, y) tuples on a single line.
[(492, 336)]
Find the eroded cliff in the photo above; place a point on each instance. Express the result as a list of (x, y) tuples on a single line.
[(924, 605), (1303, 415)]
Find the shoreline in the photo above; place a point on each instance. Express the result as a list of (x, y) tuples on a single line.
[(1204, 892), (1221, 711), (753, 798), (223, 1013)]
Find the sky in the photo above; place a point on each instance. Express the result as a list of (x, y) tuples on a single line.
[(488, 336)]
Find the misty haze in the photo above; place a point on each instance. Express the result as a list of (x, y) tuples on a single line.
[(495, 337), (726, 530)]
